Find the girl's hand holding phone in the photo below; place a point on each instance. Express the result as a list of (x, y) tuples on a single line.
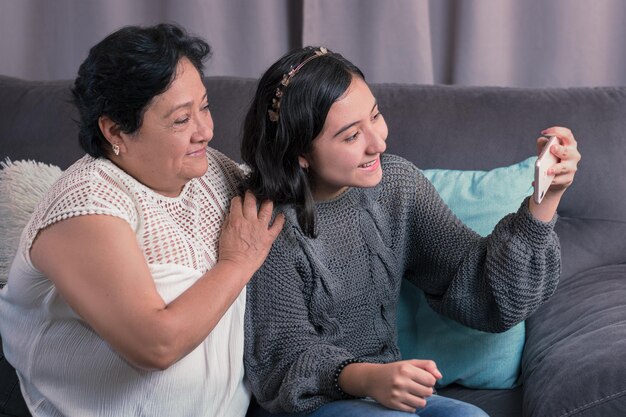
[(567, 157), (566, 151)]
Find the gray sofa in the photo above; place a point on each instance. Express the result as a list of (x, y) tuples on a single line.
[(574, 361)]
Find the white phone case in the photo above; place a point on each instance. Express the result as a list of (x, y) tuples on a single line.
[(545, 161)]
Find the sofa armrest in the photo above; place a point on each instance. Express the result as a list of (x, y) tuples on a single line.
[(574, 362)]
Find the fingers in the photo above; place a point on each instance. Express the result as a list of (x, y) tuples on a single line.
[(404, 385), (413, 396), (265, 211), (414, 403), (423, 375), (277, 225), (566, 137), (246, 207), (541, 142), (569, 156), (226, 222), (563, 167), (429, 366), (236, 205), (249, 206), (567, 149), (567, 153), (248, 233), (265, 214), (411, 406)]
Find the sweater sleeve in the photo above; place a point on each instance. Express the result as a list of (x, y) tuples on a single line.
[(289, 361), (488, 283)]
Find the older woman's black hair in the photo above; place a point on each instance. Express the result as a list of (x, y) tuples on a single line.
[(271, 148), (124, 72)]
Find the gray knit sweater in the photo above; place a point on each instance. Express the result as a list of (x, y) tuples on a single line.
[(317, 302)]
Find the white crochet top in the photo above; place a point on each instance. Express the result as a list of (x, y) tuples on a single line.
[(65, 368)]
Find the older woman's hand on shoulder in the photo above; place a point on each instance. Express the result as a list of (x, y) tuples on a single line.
[(248, 233)]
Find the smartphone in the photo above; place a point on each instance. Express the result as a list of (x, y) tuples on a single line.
[(545, 161)]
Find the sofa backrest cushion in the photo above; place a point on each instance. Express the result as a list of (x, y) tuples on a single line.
[(448, 127)]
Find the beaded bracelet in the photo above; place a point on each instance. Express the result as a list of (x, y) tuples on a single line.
[(342, 365)]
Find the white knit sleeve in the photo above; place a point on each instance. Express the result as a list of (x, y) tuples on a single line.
[(87, 187)]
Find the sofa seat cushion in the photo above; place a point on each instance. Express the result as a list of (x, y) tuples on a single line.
[(495, 402), (573, 361)]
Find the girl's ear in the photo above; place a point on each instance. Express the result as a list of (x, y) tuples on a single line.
[(304, 164)]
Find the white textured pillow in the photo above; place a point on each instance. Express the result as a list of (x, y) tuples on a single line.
[(22, 184)]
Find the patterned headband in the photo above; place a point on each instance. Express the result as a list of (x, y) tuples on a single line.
[(274, 112)]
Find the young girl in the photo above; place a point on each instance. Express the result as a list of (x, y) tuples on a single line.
[(321, 312)]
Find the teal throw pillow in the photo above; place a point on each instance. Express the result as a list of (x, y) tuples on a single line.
[(466, 356)]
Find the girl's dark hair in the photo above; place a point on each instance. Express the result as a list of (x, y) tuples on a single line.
[(271, 148), (124, 72)]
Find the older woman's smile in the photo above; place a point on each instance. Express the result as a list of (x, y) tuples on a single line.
[(197, 152)]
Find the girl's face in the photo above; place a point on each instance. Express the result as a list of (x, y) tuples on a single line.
[(347, 151)]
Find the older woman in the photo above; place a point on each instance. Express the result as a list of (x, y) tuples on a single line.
[(127, 294)]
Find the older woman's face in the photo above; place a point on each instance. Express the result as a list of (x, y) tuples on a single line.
[(169, 149)]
